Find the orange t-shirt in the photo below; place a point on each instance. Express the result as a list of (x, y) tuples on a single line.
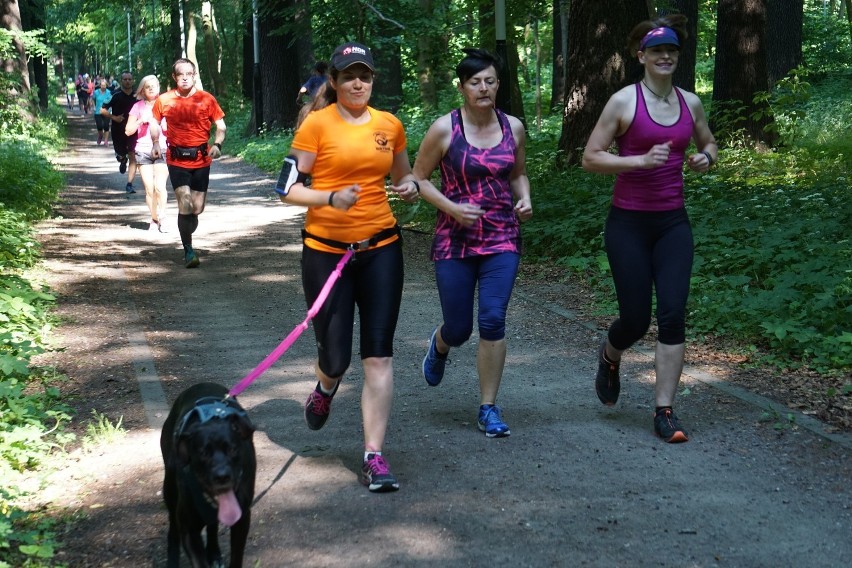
[(347, 154), (189, 119)]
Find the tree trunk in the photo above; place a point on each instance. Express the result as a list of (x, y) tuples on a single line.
[(387, 53), (305, 39), (741, 70), (191, 43), (783, 37), (425, 62), (684, 75), (537, 42), (210, 52), (598, 65), (175, 31), (848, 4), (488, 40), (514, 63), (16, 66), (560, 54), (279, 65), (248, 52), (33, 18)]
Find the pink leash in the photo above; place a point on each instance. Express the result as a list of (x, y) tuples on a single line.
[(297, 331)]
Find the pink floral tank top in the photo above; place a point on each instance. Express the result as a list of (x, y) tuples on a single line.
[(480, 176)]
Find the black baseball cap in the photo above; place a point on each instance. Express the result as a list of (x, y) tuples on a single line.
[(351, 53)]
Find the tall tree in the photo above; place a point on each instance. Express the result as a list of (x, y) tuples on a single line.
[(17, 84), (684, 75), (305, 39), (741, 69), (33, 18), (488, 40), (426, 61), (175, 32), (279, 62), (783, 37), (211, 48), (387, 54), (598, 65), (560, 54)]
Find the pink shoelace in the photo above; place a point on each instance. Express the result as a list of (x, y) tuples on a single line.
[(378, 465), (320, 403)]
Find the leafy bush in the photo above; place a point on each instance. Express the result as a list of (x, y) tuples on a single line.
[(769, 240), (31, 415), (29, 183), (18, 249)]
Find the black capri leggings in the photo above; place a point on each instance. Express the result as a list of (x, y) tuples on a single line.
[(649, 249), (372, 280)]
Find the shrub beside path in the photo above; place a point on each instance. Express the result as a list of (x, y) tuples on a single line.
[(577, 484)]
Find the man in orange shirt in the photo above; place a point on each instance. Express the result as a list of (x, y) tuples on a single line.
[(190, 114)]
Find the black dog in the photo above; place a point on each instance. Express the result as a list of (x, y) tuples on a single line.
[(210, 469)]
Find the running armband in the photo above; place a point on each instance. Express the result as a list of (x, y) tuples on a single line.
[(289, 175)]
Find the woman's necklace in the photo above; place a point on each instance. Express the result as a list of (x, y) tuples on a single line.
[(664, 98)]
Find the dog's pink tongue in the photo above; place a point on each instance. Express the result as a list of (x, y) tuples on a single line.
[(229, 508)]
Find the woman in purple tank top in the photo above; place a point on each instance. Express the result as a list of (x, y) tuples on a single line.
[(484, 194), (648, 237)]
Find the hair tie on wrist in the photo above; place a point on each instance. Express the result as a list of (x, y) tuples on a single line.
[(709, 157), (416, 185), (331, 198)]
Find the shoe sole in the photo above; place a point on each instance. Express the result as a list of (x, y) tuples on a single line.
[(676, 438), (382, 487), (603, 399), (505, 434)]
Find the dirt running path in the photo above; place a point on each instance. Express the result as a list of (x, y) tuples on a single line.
[(577, 484)]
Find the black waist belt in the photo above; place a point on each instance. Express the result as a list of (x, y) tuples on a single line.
[(361, 245)]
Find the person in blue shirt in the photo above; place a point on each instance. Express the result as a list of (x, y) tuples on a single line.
[(314, 82), (101, 97)]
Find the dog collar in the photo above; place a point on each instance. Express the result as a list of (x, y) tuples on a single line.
[(208, 408)]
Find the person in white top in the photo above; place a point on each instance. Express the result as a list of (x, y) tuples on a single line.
[(154, 171)]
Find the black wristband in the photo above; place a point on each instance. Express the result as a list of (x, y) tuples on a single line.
[(218, 145), (331, 198), (709, 157), (416, 185)]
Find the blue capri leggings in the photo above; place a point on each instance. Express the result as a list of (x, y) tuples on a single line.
[(649, 250), (372, 280), (457, 280)]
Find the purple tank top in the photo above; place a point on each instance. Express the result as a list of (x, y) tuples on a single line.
[(660, 188), (481, 176)]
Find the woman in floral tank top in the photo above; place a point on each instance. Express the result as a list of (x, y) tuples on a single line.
[(484, 194)]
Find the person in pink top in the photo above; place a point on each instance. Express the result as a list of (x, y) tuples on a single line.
[(153, 170), (647, 235)]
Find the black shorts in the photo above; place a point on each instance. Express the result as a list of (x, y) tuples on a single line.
[(121, 142), (102, 122), (197, 179), (372, 282)]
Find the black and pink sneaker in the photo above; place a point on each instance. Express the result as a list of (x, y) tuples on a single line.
[(318, 407), (376, 475)]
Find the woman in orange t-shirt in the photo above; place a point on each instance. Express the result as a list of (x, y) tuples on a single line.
[(349, 148)]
